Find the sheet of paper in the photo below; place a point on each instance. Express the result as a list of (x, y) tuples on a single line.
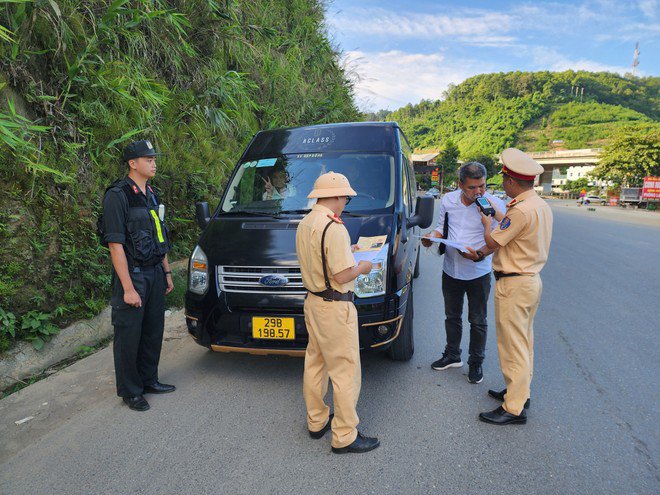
[(374, 243), (368, 256), (457, 245)]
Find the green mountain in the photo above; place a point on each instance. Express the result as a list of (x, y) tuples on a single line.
[(80, 79), (488, 113)]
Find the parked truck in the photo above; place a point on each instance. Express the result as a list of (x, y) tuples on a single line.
[(630, 196)]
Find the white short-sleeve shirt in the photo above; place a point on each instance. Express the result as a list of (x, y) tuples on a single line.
[(465, 226)]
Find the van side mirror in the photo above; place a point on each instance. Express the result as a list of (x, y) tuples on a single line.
[(202, 214), (423, 216)]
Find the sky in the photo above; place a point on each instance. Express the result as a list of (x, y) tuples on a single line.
[(400, 52)]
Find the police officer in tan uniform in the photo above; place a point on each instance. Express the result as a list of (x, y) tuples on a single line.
[(522, 242), (328, 268)]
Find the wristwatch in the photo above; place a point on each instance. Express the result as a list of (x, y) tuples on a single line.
[(481, 256)]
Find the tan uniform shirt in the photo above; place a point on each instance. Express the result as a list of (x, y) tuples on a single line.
[(524, 235), (338, 252)]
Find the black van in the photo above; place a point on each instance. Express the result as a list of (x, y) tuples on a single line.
[(244, 275)]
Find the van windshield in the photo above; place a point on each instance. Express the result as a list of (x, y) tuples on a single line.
[(281, 184)]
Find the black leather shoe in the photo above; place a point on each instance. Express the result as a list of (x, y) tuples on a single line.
[(500, 396), (500, 417), (361, 445), (137, 403), (159, 388), (319, 434)]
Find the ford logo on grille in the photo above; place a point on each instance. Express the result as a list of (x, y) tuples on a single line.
[(273, 281)]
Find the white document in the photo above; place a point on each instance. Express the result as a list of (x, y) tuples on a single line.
[(370, 248), (457, 245), (368, 255)]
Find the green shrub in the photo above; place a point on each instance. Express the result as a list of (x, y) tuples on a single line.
[(80, 80)]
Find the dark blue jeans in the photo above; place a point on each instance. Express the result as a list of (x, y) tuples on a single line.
[(454, 291)]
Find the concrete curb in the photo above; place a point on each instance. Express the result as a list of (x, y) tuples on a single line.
[(23, 360)]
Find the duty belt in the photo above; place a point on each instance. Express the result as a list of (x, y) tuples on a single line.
[(499, 275), (335, 295), (330, 294)]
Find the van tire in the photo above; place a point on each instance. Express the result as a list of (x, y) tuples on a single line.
[(416, 272), (403, 348)]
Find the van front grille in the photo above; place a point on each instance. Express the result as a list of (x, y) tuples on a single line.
[(247, 279)]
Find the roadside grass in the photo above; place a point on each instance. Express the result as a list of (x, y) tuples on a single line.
[(176, 298), (173, 300)]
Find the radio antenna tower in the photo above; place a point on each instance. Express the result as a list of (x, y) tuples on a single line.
[(635, 61)]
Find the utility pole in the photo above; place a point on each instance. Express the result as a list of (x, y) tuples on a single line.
[(442, 179)]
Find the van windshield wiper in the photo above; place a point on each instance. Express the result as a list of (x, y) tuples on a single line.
[(295, 211), (351, 214), (251, 212)]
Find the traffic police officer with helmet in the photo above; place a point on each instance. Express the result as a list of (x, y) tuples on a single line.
[(522, 242), (135, 232), (328, 268)]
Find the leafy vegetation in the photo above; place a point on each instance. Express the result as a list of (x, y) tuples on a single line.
[(488, 113), (81, 79), (633, 153)]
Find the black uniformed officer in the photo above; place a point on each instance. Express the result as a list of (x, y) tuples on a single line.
[(138, 243)]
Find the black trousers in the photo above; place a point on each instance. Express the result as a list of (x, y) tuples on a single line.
[(138, 331), (454, 291)]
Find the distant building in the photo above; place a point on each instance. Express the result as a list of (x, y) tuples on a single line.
[(424, 163), (424, 159), (574, 173)]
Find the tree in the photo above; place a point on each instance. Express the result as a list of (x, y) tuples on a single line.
[(632, 155), (448, 161), (576, 185), (488, 161)]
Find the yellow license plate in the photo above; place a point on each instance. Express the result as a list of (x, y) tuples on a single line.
[(273, 328)]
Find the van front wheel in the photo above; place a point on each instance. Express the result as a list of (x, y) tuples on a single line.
[(403, 348)]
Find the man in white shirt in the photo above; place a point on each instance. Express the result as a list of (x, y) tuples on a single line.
[(465, 273)]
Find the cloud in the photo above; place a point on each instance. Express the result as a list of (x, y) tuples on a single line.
[(394, 78), (408, 56), (649, 8), (475, 26), (545, 58)]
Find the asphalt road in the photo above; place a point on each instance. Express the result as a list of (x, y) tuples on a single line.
[(237, 423)]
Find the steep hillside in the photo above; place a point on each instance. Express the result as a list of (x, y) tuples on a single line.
[(81, 79), (578, 125), (490, 112)]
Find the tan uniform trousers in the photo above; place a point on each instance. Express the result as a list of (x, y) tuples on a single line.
[(516, 302), (333, 351)]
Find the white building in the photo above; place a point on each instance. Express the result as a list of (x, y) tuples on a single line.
[(574, 173)]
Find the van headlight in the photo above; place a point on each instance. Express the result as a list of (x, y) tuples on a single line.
[(373, 283), (198, 278)]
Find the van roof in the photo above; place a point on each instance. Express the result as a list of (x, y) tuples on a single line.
[(349, 136)]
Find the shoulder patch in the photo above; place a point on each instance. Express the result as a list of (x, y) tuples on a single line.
[(335, 218), (505, 223)]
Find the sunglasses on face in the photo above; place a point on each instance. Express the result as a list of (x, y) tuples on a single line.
[(348, 199)]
